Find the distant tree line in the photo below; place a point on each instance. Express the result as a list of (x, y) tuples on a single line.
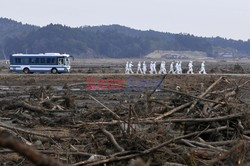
[(103, 41)]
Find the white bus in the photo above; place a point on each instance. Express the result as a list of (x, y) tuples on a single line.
[(42, 63)]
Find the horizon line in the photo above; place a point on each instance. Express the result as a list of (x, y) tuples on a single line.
[(144, 30)]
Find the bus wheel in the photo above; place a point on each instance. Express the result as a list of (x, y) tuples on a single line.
[(26, 70), (54, 71)]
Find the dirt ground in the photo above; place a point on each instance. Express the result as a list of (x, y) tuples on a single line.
[(186, 120)]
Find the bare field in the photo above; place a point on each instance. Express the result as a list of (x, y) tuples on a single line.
[(189, 120), (118, 65)]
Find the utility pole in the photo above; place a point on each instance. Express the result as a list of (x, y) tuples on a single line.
[(5, 58)]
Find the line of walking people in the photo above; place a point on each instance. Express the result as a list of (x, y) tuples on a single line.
[(174, 68)]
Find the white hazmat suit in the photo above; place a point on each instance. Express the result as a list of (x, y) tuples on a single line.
[(163, 68), (203, 70), (171, 71), (144, 67), (154, 68), (151, 68), (139, 68), (130, 68), (190, 68), (127, 68), (180, 68), (177, 69)]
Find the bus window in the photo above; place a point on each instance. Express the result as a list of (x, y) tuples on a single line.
[(42, 60), (32, 60), (17, 60), (53, 60), (37, 60), (48, 60), (60, 61), (24, 60)]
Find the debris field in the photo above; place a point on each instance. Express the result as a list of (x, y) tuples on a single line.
[(189, 120)]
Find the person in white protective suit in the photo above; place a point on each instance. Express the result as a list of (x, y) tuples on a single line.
[(177, 68), (202, 71), (171, 71), (162, 68), (130, 68), (139, 68), (127, 68), (144, 67), (151, 67), (180, 67), (154, 68), (190, 68)]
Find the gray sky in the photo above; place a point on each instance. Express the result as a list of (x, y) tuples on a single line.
[(225, 18)]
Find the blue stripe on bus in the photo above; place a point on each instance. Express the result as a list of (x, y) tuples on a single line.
[(38, 66), (48, 70), (40, 71)]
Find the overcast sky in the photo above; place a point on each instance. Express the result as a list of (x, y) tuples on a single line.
[(225, 18)]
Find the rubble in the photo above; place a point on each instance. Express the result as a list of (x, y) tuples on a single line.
[(183, 123)]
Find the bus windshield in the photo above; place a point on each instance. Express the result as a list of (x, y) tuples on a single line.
[(67, 61)]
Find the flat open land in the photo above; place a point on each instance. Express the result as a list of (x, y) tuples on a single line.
[(177, 120)]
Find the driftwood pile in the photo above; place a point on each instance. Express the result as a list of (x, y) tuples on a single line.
[(172, 127)]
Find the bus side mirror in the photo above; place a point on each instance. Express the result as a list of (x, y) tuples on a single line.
[(72, 57)]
